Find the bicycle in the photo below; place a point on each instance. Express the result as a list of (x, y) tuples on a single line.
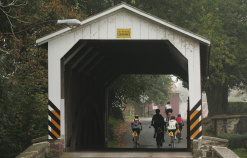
[(136, 138), (169, 116), (171, 134), (179, 135), (159, 135)]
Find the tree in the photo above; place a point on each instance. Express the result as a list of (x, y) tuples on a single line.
[(130, 88), (23, 69), (224, 23)]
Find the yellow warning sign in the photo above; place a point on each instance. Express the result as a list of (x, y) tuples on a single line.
[(123, 33)]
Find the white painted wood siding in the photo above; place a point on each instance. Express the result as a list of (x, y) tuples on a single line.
[(105, 28)]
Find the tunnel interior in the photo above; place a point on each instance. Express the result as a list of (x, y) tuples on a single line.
[(90, 66)]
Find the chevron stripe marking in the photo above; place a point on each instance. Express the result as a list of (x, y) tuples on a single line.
[(56, 114), (54, 107), (55, 133), (198, 115), (196, 106), (197, 126), (52, 135), (54, 117), (193, 114), (53, 127), (199, 135), (194, 124), (55, 123), (196, 133)]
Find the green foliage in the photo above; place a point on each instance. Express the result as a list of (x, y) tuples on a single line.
[(208, 128), (116, 113), (237, 108), (113, 124), (130, 88), (23, 69), (241, 152), (159, 90), (235, 140)]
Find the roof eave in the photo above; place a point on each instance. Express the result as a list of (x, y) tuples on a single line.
[(203, 40)]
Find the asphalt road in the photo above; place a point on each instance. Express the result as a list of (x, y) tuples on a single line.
[(147, 140)]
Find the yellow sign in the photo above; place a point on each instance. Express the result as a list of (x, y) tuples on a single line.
[(123, 33)]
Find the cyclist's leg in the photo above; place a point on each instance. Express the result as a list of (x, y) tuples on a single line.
[(181, 131), (174, 137), (163, 133), (169, 137), (167, 115), (155, 132), (132, 134), (138, 133)]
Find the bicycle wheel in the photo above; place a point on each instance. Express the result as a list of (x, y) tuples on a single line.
[(172, 142), (136, 141), (179, 137), (159, 140)]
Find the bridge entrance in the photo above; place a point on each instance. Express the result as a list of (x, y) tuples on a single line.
[(84, 60), (92, 65)]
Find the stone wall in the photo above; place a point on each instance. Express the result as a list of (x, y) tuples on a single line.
[(230, 125), (202, 148), (42, 147)]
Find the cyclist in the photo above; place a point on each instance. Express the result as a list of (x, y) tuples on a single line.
[(158, 121), (180, 123), (136, 125), (168, 108), (172, 126)]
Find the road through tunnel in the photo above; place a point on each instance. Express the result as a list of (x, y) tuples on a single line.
[(90, 66)]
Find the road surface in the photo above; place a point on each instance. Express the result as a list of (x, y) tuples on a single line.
[(147, 140)]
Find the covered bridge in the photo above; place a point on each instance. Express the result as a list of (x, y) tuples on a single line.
[(84, 60)]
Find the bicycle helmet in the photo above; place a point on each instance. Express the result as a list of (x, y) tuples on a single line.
[(179, 115), (157, 111), (168, 102), (173, 118), (136, 116)]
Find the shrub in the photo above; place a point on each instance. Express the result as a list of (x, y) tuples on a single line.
[(208, 128), (112, 125), (237, 108), (235, 140)]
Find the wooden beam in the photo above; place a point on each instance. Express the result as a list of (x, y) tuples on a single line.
[(81, 57), (88, 61), (75, 52)]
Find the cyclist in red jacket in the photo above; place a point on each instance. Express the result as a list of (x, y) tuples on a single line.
[(180, 123)]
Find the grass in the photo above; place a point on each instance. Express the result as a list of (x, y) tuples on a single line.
[(129, 117), (241, 152), (112, 144), (113, 124)]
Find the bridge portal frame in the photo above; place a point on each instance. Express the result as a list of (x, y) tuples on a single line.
[(188, 50)]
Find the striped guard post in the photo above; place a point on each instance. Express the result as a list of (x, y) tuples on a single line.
[(196, 121), (54, 121)]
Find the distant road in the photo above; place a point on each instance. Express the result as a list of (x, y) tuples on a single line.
[(147, 140)]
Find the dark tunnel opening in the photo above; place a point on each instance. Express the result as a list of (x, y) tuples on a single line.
[(91, 66)]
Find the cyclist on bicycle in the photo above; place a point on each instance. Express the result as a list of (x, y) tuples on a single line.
[(180, 123), (168, 109), (136, 125), (158, 122), (172, 126)]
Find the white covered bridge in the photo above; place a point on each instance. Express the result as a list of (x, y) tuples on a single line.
[(84, 60)]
